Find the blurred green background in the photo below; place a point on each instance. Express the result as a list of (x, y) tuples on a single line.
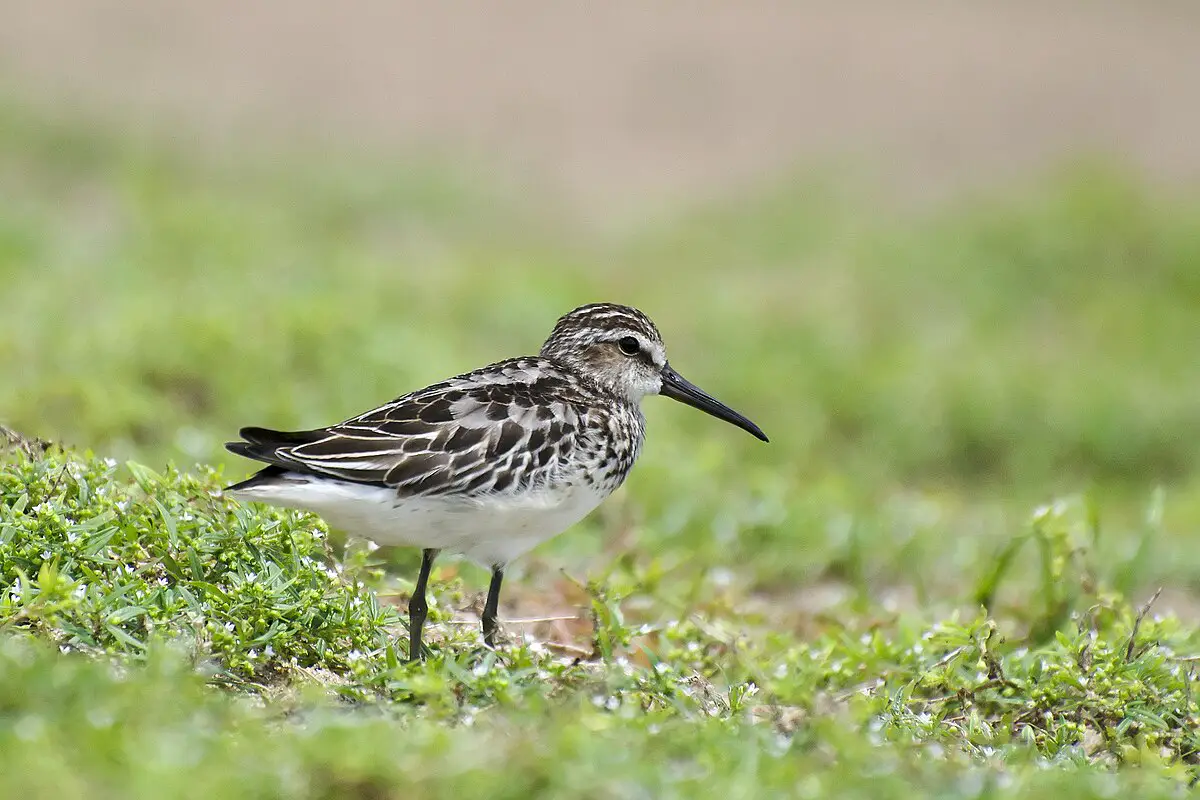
[(932, 375), (954, 275)]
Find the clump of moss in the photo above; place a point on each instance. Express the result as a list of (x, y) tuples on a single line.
[(102, 558)]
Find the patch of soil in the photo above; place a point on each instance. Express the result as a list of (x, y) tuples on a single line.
[(621, 108)]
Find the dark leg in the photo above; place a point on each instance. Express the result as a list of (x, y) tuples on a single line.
[(418, 607), (492, 605)]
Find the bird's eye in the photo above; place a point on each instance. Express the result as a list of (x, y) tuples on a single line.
[(629, 345)]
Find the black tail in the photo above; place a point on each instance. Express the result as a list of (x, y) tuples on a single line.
[(268, 475), (279, 438), (263, 444)]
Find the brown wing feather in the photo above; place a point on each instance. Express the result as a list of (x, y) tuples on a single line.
[(445, 439)]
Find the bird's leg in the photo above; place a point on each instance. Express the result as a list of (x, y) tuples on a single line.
[(418, 607), (491, 607)]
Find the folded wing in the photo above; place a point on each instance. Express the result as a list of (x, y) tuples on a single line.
[(447, 439)]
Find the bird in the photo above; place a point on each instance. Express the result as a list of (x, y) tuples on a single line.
[(487, 464)]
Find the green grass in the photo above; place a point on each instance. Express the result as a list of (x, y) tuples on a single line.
[(983, 463)]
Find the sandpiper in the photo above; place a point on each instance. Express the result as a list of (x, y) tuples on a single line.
[(490, 463)]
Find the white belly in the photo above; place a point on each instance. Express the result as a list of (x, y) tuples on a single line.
[(488, 530)]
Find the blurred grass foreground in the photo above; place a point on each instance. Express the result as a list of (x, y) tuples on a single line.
[(935, 580)]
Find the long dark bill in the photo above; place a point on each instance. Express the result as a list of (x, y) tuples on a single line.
[(677, 387)]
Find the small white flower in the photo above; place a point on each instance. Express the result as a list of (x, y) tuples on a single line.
[(29, 727), (99, 718)]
